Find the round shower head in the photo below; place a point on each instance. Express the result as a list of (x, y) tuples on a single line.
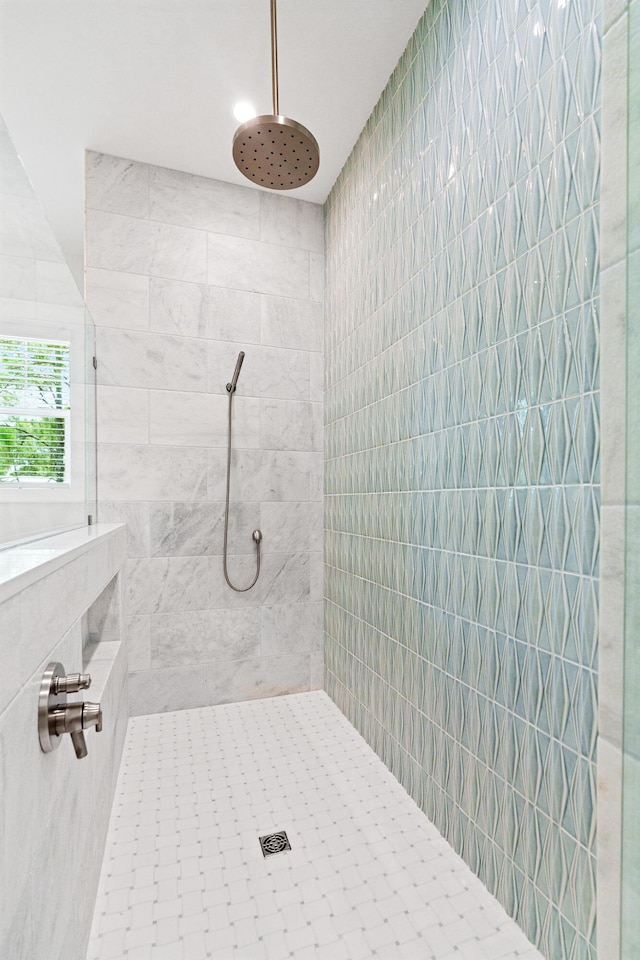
[(276, 152)]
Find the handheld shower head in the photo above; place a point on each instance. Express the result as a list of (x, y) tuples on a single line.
[(231, 387)]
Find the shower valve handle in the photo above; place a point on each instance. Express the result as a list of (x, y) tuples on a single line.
[(57, 717), (72, 683)]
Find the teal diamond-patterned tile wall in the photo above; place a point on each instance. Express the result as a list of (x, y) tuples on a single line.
[(462, 444)]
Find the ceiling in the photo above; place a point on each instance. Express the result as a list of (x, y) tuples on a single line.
[(156, 81)]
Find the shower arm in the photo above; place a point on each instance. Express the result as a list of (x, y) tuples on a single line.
[(274, 59)]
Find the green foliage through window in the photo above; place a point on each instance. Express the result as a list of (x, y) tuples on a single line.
[(34, 410)]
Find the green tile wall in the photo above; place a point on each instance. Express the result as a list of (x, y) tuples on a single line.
[(462, 444)]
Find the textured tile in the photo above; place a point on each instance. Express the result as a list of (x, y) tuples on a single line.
[(462, 442)]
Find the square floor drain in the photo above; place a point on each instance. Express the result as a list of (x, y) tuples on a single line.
[(274, 843)]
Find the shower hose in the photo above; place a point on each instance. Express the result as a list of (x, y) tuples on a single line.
[(257, 535)]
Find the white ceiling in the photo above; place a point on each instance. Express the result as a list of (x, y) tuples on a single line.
[(156, 81)]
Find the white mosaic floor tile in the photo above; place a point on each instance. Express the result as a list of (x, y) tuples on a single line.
[(368, 875)]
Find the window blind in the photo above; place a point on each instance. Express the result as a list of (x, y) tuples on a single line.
[(34, 410)]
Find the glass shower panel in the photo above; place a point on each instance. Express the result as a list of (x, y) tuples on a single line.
[(47, 378)]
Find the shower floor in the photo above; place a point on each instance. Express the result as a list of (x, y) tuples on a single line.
[(368, 875)]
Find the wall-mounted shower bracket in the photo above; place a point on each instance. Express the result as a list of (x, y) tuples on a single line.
[(57, 717)]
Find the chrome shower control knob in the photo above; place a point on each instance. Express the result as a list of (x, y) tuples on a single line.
[(57, 717), (71, 683), (92, 716)]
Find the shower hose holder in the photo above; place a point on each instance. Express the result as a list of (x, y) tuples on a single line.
[(57, 717)]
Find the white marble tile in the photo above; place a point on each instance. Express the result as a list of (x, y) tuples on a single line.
[(316, 670), (188, 419), (132, 358), (139, 642), (611, 636), (162, 584), (47, 798), (270, 475), (609, 846), (196, 310), (266, 371), (294, 223), (291, 527), (17, 278), (213, 205), (104, 616), (287, 425), (285, 578), (316, 277), (185, 529), (203, 636), (316, 576), (241, 569), (291, 628), (316, 377), (316, 477), (233, 315), (123, 414), (12, 677), (264, 677), (258, 267), (613, 200), (611, 11), (117, 299), (136, 517), (146, 472), (244, 518), (178, 308), (170, 688), (613, 295), (245, 425), (117, 185), (317, 429), (49, 608), (285, 322), (117, 242)]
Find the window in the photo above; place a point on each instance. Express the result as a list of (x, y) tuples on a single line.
[(34, 411)]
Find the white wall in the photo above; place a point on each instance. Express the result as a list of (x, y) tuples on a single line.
[(54, 808), (182, 273)]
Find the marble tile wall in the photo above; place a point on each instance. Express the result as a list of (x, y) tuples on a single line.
[(54, 809), (182, 273), (462, 445)]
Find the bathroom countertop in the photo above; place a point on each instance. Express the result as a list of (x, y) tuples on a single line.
[(26, 563)]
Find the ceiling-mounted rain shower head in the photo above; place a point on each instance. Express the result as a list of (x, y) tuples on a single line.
[(275, 151)]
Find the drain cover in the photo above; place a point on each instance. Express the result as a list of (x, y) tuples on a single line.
[(274, 843)]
